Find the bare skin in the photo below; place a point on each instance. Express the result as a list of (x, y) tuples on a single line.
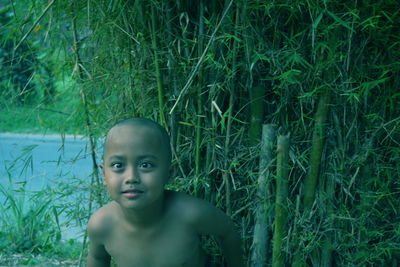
[(146, 225)]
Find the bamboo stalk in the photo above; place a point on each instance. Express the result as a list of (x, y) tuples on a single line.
[(261, 235), (196, 68), (225, 176), (211, 154), (160, 86), (310, 183), (172, 75), (95, 174), (281, 213), (336, 167), (34, 24), (256, 106), (311, 179), (327, 247), (296, 259), (199, 92)]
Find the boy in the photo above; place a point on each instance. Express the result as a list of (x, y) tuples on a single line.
[(145, 225)]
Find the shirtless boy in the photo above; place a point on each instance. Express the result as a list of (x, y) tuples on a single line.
[(146, 225)]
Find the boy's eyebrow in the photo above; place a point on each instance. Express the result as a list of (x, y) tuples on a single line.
[(118, 157), (148, 156)]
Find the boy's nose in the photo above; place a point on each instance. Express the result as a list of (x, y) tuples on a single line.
[(132, 177)]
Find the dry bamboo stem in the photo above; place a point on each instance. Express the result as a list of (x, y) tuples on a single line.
[(282, 178), (261, 235)]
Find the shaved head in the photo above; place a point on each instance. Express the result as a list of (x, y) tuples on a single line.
[(143, 122)]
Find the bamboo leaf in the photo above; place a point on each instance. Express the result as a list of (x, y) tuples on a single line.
[(340, 21), (317, 20), (367, 86)]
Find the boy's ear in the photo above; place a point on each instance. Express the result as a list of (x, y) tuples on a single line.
[(171, 173), (103, 173)]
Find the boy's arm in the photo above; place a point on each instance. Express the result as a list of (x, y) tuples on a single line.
[(231, 246), (97, 256), (207, 219)]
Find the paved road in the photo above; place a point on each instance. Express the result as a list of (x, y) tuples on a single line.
[(33, 162)]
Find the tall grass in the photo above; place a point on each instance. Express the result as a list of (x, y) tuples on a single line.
[(28, 223), (36, 217)]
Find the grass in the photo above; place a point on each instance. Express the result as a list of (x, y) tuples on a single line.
[(31, 119), (30, 225), (62, 115), (31, 222), (34, 260)]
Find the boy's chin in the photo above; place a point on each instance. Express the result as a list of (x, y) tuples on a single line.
[(130, 206)]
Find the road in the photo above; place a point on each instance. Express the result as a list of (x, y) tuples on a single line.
[(36, 163)]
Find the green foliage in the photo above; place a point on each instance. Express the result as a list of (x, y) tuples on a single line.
[(45, 117), (295, 51), (28, 224), (25, 75), (32, 222)]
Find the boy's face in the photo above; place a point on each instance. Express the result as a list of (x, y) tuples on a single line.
[(136, 166)]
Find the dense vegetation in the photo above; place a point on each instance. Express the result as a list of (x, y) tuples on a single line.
[(321, 76)]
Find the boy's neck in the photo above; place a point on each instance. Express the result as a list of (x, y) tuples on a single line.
[(147, 217)]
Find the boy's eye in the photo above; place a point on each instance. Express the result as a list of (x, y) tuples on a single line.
[(146, 165), (116, 165)]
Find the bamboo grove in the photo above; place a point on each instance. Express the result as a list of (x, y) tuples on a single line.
[(285, 114)]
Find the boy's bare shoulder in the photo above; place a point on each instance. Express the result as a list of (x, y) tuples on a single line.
[(201, 215), (101, 221), (188, 204)]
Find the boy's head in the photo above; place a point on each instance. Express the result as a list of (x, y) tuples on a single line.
[(137, 160), (147, 123)]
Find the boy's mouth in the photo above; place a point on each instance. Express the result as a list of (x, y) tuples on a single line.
[(131, 193)]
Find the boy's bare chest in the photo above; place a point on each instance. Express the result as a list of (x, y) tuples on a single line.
[(168, 245)]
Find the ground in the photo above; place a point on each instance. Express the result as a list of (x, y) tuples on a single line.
[(21, 260)]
